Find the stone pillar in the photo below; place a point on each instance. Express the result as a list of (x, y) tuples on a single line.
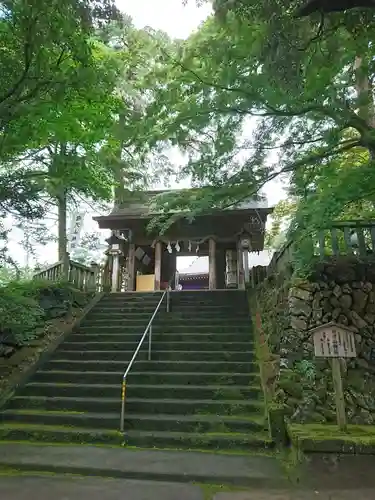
[(131, 267), (240, 267), (158, 257), (211, 264)]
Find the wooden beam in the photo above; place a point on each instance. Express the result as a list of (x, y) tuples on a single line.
[(131, 267), (212, 264), (158, 257)]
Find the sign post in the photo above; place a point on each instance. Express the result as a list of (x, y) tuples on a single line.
[(334, 341)]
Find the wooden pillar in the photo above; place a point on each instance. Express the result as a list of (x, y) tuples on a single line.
[(158, 257), (245, 254), (231, 269), (115, 272), (220, 268), (240, 269), (66, 266), (131, 267), (211, 264)]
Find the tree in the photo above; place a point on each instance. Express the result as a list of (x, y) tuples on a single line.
[(322, 6), (281, 218), (137, 161), (66, 137), (224, 100), (47, 51), (88, 143), (45, 46), (91, 249)]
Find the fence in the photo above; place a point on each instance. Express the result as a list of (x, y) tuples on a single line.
[(355, 238), (81, 276)]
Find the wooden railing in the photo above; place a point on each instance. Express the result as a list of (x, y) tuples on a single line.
[(81, 276), (346, 238), (281, 259), (257, 274)]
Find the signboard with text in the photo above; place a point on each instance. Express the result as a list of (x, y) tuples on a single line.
[(333, 341)]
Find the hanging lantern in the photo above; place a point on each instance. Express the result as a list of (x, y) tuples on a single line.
[(245, 241), (114, 243), (354, 238)]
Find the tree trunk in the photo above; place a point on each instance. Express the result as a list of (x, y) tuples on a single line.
[(119, 174), (62, 232), (366, 109)]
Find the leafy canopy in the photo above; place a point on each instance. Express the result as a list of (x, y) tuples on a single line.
[(259, 94)]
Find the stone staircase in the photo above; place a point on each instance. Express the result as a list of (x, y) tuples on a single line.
[(201, 390)]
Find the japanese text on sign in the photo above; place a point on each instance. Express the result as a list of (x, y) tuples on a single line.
[(333, 341)]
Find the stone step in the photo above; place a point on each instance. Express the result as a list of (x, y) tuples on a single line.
[(62, 418), (160, 422), (175, 378), (145, 308), (198, 441), (65, 434), (136, 299), (169, 355), (173, 366), (203, 310), (176, 313), (216, 392), (119, 319), (92, 336), (179, 300), (176, 298), (138, 405), (182, 328), (130, 309), (142, 439), (158, 345)]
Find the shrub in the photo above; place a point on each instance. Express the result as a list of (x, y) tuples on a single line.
[(19, 317), (24, 305)]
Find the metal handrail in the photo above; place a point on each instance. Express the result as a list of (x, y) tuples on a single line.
[(148, 330)]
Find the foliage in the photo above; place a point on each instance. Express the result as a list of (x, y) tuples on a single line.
[(26, 304), (281, 217), (259, 94), (47, 60), (137, 162), (45, 46), (20, 316), (91, 249), (80, 147)]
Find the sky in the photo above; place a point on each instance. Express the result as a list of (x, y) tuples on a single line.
[(178, 21)]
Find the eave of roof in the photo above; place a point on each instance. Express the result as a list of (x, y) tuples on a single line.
[(139, 206)]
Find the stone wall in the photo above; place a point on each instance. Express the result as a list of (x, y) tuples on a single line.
[(341, 291)]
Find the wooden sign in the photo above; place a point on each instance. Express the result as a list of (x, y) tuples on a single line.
[(333, 341)]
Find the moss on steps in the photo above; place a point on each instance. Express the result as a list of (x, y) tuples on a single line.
[(325, 438)]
